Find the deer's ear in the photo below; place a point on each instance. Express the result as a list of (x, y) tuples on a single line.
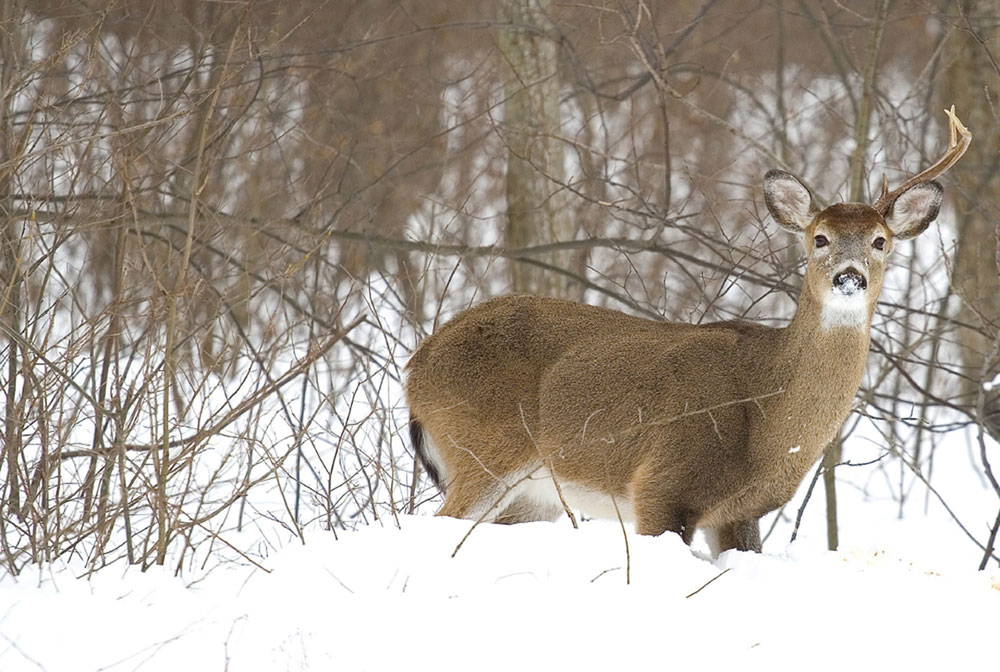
[(914, 210), (788, 200)]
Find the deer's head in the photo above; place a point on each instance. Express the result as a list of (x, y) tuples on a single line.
[(848, 244)]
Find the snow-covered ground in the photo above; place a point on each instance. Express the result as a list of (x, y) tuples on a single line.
[(902, 593), (533, 596)]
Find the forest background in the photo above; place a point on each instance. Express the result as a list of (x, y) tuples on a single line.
[(226, 225)]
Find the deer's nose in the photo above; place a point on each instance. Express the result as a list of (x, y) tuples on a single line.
[(850, 281)]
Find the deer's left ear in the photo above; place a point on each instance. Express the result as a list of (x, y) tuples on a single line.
[(914, 210)]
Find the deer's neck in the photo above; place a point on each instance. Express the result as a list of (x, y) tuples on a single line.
[(819, 367)]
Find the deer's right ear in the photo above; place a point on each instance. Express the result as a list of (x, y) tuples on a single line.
[(789, 201)]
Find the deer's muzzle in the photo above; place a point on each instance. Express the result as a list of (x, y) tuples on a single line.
[(849, 282)]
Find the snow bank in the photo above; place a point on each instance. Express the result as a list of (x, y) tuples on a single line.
[(534, 596)]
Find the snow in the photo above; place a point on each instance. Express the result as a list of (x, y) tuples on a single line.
[(531, 596), (849, 287), (992, 384)]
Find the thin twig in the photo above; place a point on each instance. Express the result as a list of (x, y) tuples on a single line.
[(628, 557), (710, 581), (490, 510), (802, 509), (548, 465)]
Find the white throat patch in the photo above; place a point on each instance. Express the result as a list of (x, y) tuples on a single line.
[(843, 310)]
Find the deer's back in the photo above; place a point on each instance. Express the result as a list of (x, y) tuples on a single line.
[(564, 370), (497, 351)]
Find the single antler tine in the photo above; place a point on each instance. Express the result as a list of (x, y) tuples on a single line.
[(885, 186), (956, 128), (952, 128)]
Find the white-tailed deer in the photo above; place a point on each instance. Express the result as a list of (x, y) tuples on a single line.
[(523, 407)]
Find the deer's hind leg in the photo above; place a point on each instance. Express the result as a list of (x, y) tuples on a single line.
[(488, 479), (524, 509), (514, 499), (469, 496), (496, 504)]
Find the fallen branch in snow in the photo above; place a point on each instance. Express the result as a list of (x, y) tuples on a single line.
[(709, 582), (606, 571)]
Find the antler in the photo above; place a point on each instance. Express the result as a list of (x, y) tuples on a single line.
[(956, 148)]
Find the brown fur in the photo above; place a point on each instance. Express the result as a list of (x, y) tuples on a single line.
[(694, 426)]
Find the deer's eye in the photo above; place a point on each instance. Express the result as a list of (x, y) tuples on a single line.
[(820, 241), (879, 243)]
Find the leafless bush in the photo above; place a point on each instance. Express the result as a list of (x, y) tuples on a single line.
[(227, 225)]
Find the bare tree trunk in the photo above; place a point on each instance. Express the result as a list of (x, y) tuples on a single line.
[(973, 83), (10, 249), (537, 207), (862, 124), (779, 81)]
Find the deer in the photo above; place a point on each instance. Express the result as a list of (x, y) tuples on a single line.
[(523, 407)]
